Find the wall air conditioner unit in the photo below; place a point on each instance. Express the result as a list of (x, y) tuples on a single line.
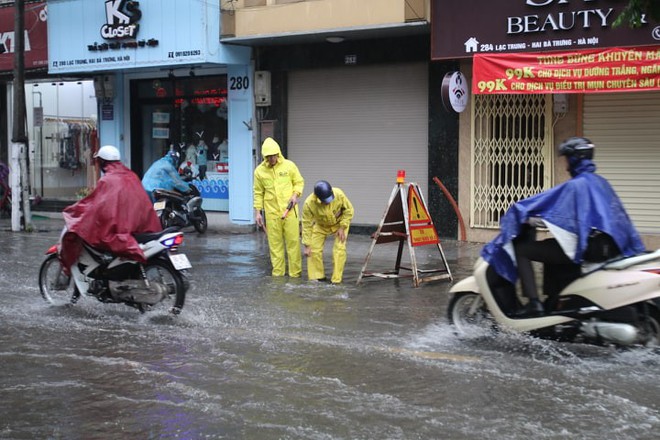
[(262, 88)]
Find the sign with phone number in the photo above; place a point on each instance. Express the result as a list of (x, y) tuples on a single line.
[(584, 71)]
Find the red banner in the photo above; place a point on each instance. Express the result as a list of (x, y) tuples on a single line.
[(584, 71), (36, 37)]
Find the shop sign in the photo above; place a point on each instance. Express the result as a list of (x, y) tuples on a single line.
[(454, 92), (585, 71), (464, 28), (107, 112), (38, 116), (121, 27), (122, 18), (121, 34), (36, 41)]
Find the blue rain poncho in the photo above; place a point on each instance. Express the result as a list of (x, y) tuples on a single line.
[(162, 174), (571, 211)]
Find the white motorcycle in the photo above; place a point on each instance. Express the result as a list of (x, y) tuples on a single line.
[(161, 281), (613, 302)]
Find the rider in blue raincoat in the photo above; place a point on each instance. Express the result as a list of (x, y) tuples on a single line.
[(572, 211), (163, 174)]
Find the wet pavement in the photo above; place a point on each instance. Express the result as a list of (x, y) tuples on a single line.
[(256, 357)]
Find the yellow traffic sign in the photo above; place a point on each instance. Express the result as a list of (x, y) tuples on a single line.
[(417, 213), (423, 235)]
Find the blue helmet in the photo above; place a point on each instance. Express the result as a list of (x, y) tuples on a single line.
[(323, 190), (174, 157)]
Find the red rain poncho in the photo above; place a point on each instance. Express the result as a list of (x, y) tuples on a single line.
[(107, 218)]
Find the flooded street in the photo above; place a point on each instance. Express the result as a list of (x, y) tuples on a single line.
[(253, 357)]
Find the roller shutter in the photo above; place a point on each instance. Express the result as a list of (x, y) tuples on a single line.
[(626, 130), (355, 127)]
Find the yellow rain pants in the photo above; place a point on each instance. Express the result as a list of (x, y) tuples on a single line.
[(319, 222), (273, 188)]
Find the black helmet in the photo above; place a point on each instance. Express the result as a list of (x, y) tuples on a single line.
[(578, 147), (323, 190)]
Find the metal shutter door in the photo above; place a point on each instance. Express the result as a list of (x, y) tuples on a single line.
[(626, 130), (355, 127)]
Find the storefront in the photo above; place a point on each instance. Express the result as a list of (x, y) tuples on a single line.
[(163, 80), (542, 71)]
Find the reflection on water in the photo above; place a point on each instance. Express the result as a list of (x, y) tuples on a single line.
[(254, 357)]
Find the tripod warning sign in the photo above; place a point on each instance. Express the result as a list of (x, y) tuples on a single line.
[(407, 221)]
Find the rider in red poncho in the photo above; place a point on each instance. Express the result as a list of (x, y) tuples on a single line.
[(108, 217)]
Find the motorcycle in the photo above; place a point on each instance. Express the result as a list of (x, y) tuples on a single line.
[(159, 282), (616, 302), (180, 210)]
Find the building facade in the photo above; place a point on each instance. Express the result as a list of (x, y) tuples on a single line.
[(540, 72), (351, 95), (163, 81)]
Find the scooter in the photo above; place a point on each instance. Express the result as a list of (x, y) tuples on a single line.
[(180, 210), (160, 281), (616, 302)]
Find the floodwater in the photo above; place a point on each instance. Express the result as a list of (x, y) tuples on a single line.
[(252, 357)]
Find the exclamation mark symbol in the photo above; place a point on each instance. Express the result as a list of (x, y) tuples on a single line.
[(416, 207)]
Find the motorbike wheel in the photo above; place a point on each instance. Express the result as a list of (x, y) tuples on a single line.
[(161, 271), (200, 222), (467, 312), (651, 328), (54, 285), (165, 220)]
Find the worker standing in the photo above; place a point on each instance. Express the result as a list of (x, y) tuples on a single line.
[(277, 186), (327, 211)]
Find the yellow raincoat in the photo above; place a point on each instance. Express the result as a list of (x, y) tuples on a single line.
[(320, 221), (273, 188)]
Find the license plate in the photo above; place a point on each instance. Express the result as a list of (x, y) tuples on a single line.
[(159, 206), (180, 261)]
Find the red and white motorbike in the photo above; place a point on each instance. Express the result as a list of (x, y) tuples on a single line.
[(614, 302), (160, 282)]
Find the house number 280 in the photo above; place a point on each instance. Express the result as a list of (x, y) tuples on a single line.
[(239, 82)]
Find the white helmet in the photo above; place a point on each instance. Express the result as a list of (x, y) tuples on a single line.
[(108, 152)]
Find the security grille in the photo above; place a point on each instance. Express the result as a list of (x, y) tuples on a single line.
[(511, 153)]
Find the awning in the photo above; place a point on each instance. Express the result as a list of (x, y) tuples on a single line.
[(585, 71)]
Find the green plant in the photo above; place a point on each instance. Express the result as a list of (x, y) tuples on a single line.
[(83, 192)]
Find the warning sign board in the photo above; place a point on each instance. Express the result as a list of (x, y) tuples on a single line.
[(423, 235), (407, 221), (417, 213)]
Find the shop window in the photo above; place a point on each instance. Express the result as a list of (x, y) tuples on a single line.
[(62, 127), (511, 153), (190, 115)]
